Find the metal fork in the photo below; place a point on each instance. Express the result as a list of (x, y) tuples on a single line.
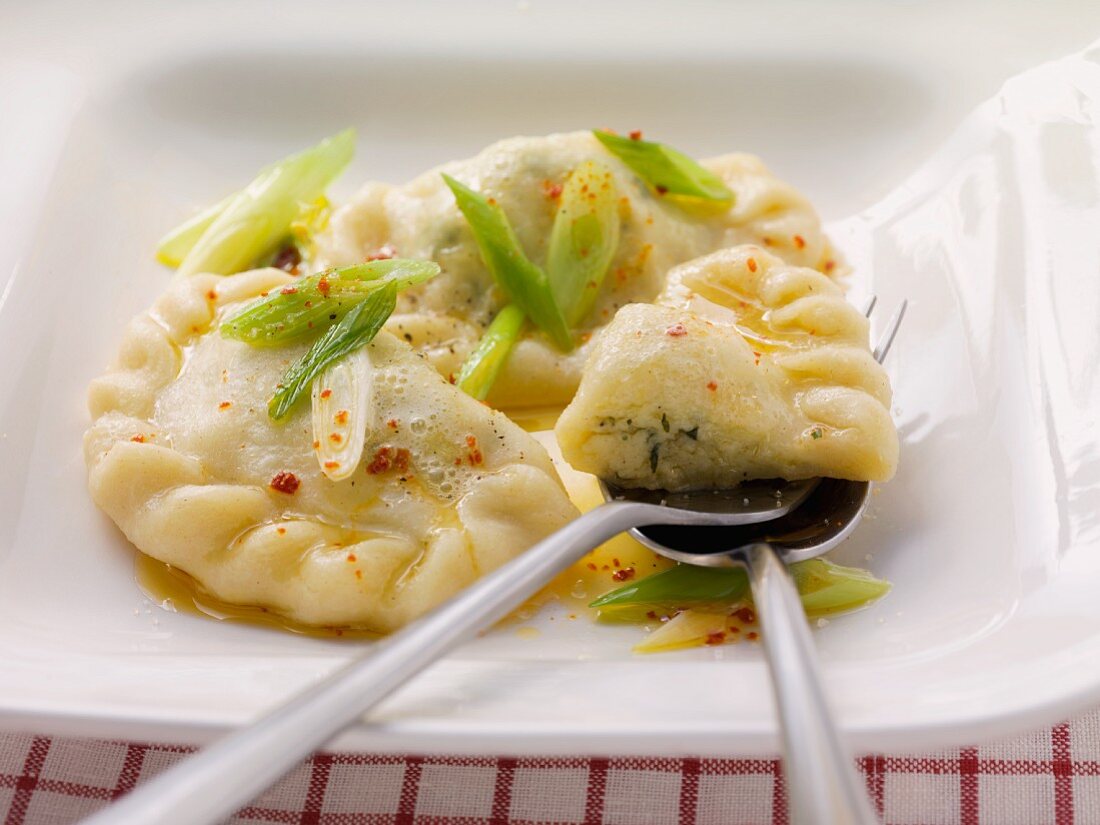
[(207, 787)]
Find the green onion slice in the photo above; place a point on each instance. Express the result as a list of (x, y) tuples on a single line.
[(174, 246), (584, 239), (824, 588), (666, 170), (483, 365), (258, 218), (832, 588), (680, 587), (525, 284), (308, 305), (357, 328)]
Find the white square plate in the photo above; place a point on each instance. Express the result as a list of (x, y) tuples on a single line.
[(116, 124)]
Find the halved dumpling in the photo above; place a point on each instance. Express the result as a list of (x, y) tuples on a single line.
[(445, 317), (184, 458), (747, 367)]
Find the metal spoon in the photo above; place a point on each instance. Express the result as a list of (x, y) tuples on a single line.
[(822, 785)]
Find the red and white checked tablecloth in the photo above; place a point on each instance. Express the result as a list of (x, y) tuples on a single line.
[(1050, 776)]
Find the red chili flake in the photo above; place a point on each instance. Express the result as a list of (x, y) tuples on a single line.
[(316, 445), (491, 201), (381, 461), (474, 455), (751, 262), (288, 290), (591, 566), (341, 417), (552, 190), (651, 614), (392, 423), (585, 337), (451, 378), (139, 438), (715, 638), (332, 465), (285, 483), (756, 357), (326, 393), (799, 241), (225, 405), (387, 458), (676, 330), (211, 295), (712, 386), (288, 258), (335, 438), (401, 459), (615, 563), (358, 573), (752, 635), (636, 134), (745, 614), (626, 574), (661, 190), (323, 286), (383, 253), (830, 266), (281, 531), (352, 558)]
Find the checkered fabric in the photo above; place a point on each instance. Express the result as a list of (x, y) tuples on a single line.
[(1050, 776)]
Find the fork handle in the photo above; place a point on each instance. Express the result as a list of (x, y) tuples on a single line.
[(209, 786), (823, 787)]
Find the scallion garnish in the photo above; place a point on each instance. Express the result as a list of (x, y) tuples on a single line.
[(824, 588), (666, 170), (258, 218), (482, 366), (358, 327), (174, 246), (308, 305), (678, 588), (584, 239), (525, 284), (342, 413)]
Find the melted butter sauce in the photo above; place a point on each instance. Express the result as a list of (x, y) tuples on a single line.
[(612, 564), (176, 591)]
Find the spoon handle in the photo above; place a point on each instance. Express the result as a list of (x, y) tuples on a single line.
[(209, 786), (823, 787)]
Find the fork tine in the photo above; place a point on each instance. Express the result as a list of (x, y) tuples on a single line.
[(887, 339), (870, 306)]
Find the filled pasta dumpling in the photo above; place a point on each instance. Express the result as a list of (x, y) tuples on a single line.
[(746, 367), (184, 457), (446, 317)]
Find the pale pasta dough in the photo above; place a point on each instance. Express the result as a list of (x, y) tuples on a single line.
[(747, 367), (445, 317), (183, 457)]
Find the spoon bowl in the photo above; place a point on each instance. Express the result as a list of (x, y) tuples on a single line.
[(817, 515)]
